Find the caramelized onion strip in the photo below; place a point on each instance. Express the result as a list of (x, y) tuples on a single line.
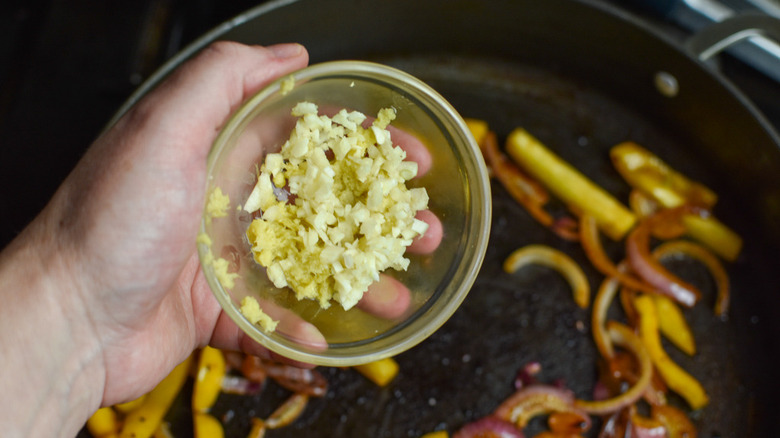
[(604, 297), (591, 243), (651, 271), (704, 256), (555, 259), (623, 336)]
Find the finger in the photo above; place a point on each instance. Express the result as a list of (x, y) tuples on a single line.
[(428, 242), (228, 336), (415, 149), (388, 298)]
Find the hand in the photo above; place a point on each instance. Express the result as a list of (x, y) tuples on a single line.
[(102, 292)]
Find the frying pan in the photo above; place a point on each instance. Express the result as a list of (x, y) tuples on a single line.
[(579, 75)]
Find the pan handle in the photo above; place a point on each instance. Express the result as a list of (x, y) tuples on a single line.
[(751, 36)]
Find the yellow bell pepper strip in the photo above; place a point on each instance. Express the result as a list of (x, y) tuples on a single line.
[(143, 421), (208, 379), (478, 128), (673, 325), (206, 426), (567, 183), (522, 188), (126, 407), (287, 412), (555, 259), (675, 377), (103, 423), (642, 205), (714, 234), (381, 372), (648, 173)]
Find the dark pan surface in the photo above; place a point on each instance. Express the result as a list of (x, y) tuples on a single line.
[(465, 369)]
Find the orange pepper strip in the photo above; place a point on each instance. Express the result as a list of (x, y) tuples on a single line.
[(206, 426), (567, 423), (568, 184), (652, 426), (555, 259), (712, 263), (677, 424), (208, 379), (623, 336), (143, 421), (677, 378)]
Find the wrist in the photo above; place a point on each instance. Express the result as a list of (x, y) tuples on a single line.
[(53, 374)]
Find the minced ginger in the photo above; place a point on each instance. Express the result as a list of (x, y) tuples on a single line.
[(335, 207)]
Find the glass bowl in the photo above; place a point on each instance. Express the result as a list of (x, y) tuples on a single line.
[(459, 195)]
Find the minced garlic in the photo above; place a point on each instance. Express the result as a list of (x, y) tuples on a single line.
[(217, 204), (287, 85), (349, 216), (251, 310)]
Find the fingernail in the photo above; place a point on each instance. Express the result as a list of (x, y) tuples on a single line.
[(288, 50)]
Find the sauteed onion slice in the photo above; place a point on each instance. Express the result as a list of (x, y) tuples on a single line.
[(701, 254), (624, 337), (591, 243), (555, 259), (650, 270)]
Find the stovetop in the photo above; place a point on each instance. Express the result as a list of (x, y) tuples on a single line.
[(67, 66)]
